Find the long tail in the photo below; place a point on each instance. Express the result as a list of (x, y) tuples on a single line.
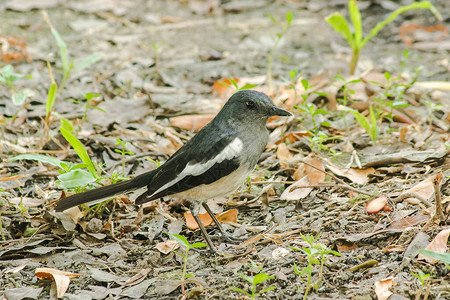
[(106, 192)]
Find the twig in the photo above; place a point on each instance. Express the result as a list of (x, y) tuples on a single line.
[(346, 185), (407, 195), (438, 215)]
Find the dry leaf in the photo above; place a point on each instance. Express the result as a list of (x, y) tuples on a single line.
[(359, 176), (74, 213), (424, 188), (191, 122), (382, 288), (314, 176), (229, 216), (167, 246), (295, 191), (192, 224), (283, 154), (61, 278), (438, 244)]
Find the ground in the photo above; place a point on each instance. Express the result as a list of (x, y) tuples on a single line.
[(144, 70)]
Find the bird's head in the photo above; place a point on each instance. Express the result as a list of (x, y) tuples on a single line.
[(251, 105)]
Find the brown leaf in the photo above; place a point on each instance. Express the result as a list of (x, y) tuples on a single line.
[(297, 190), (61, 278), (409, 221), (382, 288), (191, 122), (283, 154), (192, 224), (438, 244), (424, 188), (229, 216), (359, 176), (314, 176), (167, 246)]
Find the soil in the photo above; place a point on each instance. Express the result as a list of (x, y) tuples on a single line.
[(152, 61)]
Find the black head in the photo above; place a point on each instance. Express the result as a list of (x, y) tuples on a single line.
[(249, 104)]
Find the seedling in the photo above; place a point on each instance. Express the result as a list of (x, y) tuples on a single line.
[(423, 278), (235, 85), (124, 151), (254, 281), (355, 39), (8, 77), (66, 63), (293, 78), (370, 127), (316, 255), (184, 242), (284, 28)]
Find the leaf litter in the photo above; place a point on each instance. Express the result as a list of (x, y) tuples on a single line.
[(157, 89)]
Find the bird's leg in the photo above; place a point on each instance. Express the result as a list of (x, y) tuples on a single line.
[(228, 236), (194, 213)]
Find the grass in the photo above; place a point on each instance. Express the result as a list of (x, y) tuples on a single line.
[(256, 280)]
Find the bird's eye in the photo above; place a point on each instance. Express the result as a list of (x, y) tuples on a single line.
[(250, 104)]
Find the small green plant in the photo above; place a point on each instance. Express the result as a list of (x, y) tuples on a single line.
[(234, 84), (67, 64), (184, 242), (254, 281), (355, 39), (124, 151), (316, 255), (423, 278), (369, 126), (8, 77), (284, 28)]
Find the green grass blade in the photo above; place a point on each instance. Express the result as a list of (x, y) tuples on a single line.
[(355, 16), (444, 257), (79, 148), (51, 96), (415, 5), (42, 158), (340, 24), (239, 290)]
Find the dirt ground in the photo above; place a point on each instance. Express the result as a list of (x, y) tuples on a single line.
[(155, 66)]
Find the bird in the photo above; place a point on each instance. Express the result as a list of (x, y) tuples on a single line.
[(213, 163)]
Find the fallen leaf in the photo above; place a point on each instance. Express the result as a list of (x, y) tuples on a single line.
[(229, 216), (297, 190), (359, 176), (293, 136), (382, 288), (434, 85), (346, 246), (61, 278), (192, 224), (283, 154), (191, 122), (438, 244), (409, 221), (167, 246), (314, 176), (424, 188)]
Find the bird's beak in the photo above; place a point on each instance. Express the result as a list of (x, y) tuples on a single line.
[(276, 111)]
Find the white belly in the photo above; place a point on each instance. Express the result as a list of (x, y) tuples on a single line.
[(221, 187)]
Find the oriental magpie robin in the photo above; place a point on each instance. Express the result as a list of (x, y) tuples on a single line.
[(213, 163)]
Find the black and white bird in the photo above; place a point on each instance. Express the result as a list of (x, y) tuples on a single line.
[(213, 163)]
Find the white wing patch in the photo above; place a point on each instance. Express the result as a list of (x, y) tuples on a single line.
[(232, 150)]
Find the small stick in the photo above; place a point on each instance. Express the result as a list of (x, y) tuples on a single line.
[(439, 214)]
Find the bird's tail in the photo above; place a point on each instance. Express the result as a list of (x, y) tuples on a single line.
[(106, 192)]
